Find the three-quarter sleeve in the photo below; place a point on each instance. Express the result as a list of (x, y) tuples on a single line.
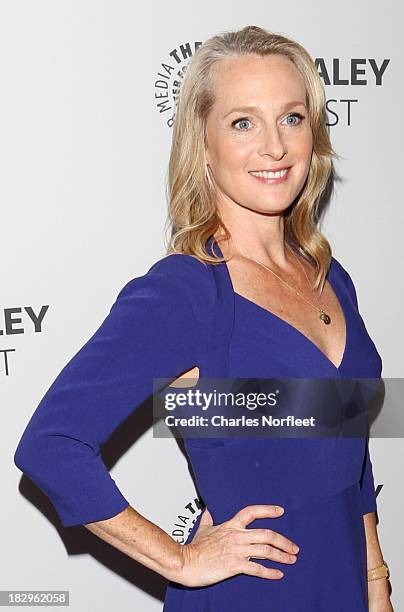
[(151, 331), (367, 485)]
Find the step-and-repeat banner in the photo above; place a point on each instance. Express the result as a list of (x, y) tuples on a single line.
[(89, 92)]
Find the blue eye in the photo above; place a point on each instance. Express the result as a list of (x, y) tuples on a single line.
[(298, 115), (242, 119)]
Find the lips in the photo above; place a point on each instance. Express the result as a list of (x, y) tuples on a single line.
[(271, 169), (271, 178)]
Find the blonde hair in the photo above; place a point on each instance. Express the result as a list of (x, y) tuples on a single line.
[(192, 212)]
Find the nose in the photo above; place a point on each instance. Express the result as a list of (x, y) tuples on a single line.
[(272, 143)]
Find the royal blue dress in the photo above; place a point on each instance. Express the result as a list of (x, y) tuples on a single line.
[(182, 313)]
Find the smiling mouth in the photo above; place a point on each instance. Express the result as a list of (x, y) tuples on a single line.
[(270, 175), (271, 178)]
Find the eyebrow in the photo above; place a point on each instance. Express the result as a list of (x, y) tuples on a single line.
[(257, 109)]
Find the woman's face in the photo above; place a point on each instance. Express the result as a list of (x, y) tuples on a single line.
[(274, 134)]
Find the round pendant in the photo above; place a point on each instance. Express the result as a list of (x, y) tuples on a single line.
[(325, 318)]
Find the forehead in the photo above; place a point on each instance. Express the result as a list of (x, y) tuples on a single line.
[(270, 80)]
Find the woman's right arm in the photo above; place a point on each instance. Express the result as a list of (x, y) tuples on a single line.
[(152, 331)]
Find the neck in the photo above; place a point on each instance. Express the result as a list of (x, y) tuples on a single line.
[(270, 249)]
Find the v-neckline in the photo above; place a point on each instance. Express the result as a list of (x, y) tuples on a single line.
[(297, 331), (294, 329)]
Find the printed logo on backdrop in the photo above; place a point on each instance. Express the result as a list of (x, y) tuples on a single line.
[(17, 320), (186, 519), (169, 78), (348, 72), (334, 72)]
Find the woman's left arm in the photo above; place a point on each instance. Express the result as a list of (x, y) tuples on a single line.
[(378, 590)]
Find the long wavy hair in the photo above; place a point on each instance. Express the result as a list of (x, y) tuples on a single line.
[(192, 212)]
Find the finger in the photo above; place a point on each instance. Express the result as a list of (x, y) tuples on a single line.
[(266, 551), (268, 536), (249, 513), (257, 569)]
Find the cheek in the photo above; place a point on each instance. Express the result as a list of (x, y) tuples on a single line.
[(301, 142), (232, 155), (307, 143)]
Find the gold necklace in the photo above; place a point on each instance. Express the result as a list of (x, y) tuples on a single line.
[(325, 318)]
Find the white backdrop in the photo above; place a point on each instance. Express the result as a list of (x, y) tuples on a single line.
[(85, 131)]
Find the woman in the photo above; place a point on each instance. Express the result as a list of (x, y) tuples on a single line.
[(249, 289)]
